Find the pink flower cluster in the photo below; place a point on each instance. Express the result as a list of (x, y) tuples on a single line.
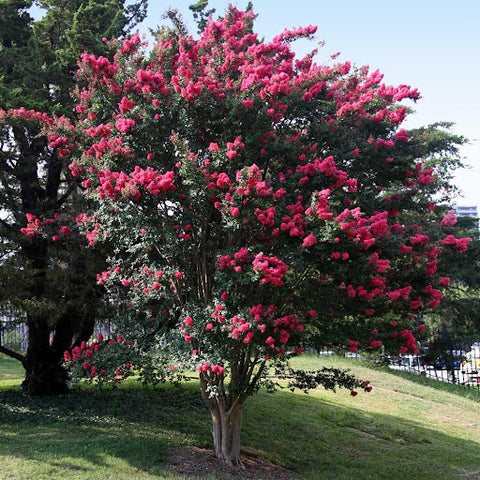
[(461, 244), (55, 227), (449, 219), (240, 257), (271, 269), (207, 367), (86, 352), (116, 184)]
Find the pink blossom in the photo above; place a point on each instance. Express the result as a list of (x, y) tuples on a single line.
[(248, 337), (352, 345), (218, 369), (402, 135), (414, 304), (309, 240), (124, 124), (271, 269), (223, 180), (126, 105)]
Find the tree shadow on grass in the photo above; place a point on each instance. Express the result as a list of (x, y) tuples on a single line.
[(79, 434), (88, 430)]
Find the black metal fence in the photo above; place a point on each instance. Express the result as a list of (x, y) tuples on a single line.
[(13, 332), (458, 364)]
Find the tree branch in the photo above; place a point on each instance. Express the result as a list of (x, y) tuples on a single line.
[(71, 188), (12, 354)]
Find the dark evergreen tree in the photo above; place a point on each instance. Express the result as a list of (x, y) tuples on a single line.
[(51, 282)]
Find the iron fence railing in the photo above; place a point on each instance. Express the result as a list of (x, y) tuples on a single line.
[(457, 365), (13, 332)]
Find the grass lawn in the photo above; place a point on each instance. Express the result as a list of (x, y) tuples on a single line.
[(403, 429), (10, 369)]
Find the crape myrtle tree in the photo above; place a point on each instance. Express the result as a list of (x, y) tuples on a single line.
[(251, 201), (51, 282)]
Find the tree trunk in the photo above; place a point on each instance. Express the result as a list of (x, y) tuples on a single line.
[(226, 433), (44, 372), (226, 404), (43, 362)]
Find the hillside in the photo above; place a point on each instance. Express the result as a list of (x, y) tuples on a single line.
[(401, 430)]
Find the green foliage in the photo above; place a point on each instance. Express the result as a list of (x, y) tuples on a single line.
[(118, 360), (201, 14), (459, 311)]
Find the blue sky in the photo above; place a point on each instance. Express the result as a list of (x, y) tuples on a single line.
[(433, 45)]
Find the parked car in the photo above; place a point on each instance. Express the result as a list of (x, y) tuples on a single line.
[(441, 363)]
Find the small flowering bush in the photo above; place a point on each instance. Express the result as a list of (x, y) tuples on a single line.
[(252, 203), (111, 361)]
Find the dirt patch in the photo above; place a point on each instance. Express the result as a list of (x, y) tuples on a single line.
[(200, 463)]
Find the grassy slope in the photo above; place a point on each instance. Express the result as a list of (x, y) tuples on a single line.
[(401, 430)]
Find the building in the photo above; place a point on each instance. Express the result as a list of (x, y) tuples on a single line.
[(466, 210)]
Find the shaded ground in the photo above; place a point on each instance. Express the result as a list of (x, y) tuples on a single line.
[(200, 463)]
